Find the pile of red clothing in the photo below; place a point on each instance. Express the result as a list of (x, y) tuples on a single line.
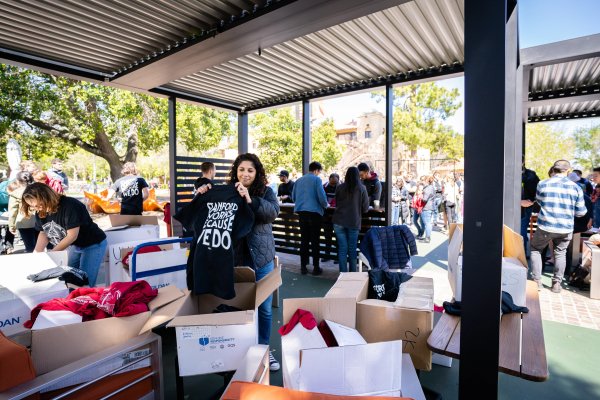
[(121, 299)]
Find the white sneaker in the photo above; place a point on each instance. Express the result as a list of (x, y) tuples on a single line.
[(273, 363)]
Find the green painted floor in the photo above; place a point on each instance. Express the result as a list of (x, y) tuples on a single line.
[(573, 358)]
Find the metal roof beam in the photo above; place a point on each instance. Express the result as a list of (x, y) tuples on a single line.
[(558, 117), (285, 23), (560, 52), (48, 66), (564, 99), (202, 100)]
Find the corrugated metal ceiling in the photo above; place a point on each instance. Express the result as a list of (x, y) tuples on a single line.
[(110, 35), (419, 35), (575, 74), (565, 111), (569, 80)]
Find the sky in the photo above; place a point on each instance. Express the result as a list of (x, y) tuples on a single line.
[(540, 22)]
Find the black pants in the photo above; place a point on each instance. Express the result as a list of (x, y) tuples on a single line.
[(29, 237), (310, 231)]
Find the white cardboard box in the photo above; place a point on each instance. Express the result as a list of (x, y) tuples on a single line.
[(346, 370), (514, 280), (455, 263), (19, 295), (210, 342)]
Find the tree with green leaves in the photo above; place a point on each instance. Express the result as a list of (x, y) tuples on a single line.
[(587, 147), (54, 115), (419, 114), (279, 136), (544, 145)]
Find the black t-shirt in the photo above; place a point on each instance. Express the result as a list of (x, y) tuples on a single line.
[(71, 214), (285, 189), (218, 218), (129, 188)]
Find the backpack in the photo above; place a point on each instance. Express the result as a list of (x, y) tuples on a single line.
[(577, 278), (4, 196)]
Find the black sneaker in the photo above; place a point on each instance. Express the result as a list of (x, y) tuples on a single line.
[(317, 271), (303, 270), (556, 287)]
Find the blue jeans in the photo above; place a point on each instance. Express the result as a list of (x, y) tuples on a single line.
[(395, 213), (418, 223), (426, 216), (525, 217), (596, 215), (265, 312), (88, 259), (347, 240)]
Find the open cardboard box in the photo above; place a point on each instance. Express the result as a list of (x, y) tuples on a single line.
[(514, 264), (126, 228), (55, 347), (172, 255), (380, 320), (210, 342), (19, 295), (346, 370)]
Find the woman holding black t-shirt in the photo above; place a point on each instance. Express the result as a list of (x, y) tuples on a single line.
[(257, 249), (65, 223)]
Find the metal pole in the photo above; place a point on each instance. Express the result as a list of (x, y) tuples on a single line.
[(306, 139), (173, 153), (242, 132), (485, 69), (389, 133)]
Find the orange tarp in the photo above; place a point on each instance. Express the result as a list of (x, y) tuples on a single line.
[(98, 204)]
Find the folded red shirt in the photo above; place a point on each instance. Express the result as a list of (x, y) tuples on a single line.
[(121, 299), (302, 316)]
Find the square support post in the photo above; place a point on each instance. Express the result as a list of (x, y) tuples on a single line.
[(389, 158), (306, 139), (242, 132), (485, 107), (173, 153), (513, 140)]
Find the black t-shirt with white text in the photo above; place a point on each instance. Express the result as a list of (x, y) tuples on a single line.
[(129, 188), (218, 218), (71, 214)]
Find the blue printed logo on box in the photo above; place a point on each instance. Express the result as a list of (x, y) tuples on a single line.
[(203, 341)]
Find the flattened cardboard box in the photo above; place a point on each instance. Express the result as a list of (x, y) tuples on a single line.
[(379, 320), (210, 342), (52, 348)]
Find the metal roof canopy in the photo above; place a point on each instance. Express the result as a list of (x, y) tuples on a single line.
[(562, 80), (238, 55)]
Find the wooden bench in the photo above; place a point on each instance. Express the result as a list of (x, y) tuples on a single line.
[(522, 348)]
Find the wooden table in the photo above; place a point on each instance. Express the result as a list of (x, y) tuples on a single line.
[(522, 348)]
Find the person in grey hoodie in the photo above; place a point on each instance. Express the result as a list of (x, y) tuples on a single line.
[(428, 209), (310, 204), (352, 201)]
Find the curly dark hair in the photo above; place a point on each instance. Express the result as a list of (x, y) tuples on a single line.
[(259, 185)]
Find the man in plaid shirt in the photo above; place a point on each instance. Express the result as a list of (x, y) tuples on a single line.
[(561, 201)]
